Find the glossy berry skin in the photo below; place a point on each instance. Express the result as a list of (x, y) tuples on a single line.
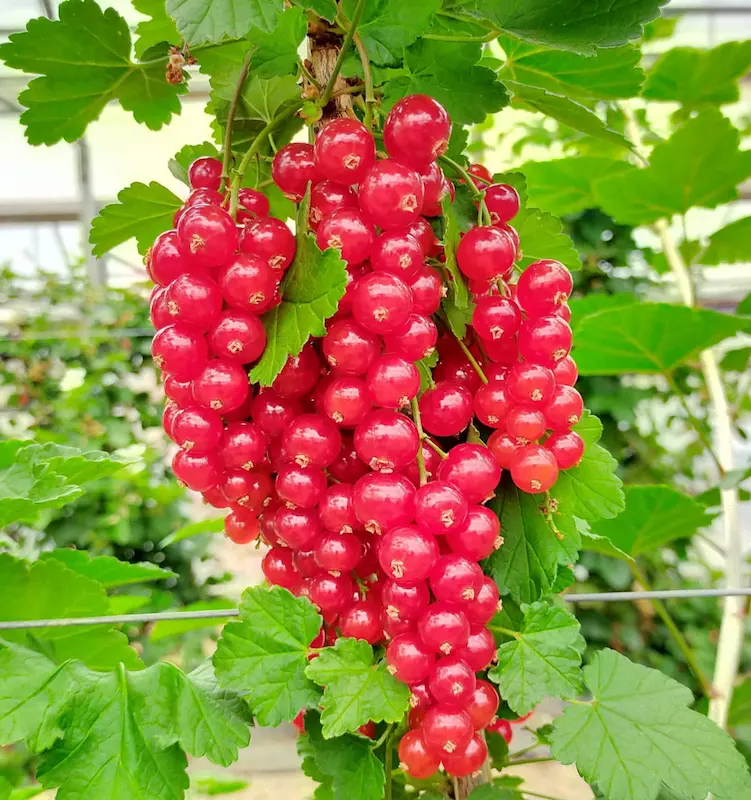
[(534, 469), (486, 253), (432, 461), (417, 130), (205, 173), (336, 509), (455, 579), (478, 537), (414, 757), (452, 682), (312, 440), (469, 761), (427, 291), (407, 554), (564, 408), (530, 383), (435, 188), (392, 381), (386, 441), (405, 601), (346, 401), (394, 627), (543, 287), (306, 563), (207, 235), (408, 659), (221, 386), (525, 424), (484, 705), (271, 240), (331, 593), (503, 728), (440, 508), (248, 284), (446, 410), (502, 202), (492, 403), (383, 501), (251, 204), (179, 351), (327, 197), (485, 605), (293, 168), (423, 232), (472, 469), (416, 339), (349, 348), (482, 173), (301, 487), (158, 310), (544, 340), (344, 151), (348, 231), (567, 447), (237, 336), (298, 528), (279, 569), (243, 446), (169, 415), (503, 447), (241, 526), (203, 197), (362, 621), (179, 391), (299, 375), (198, 473), (197, 430), (446, 730), (479, 651), (391, 195), (250, 490), (273, 413), (165, 260), (381, 302), (347, 466), (502, 351), (443, 628), (338, 552), (496, 317), (397, 252), (566, 372)]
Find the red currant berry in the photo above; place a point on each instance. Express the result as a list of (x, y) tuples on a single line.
[(534, 469), (243, 446), (180, 351), (482, 173), (503, 728), (179, 391), (348, 231), (349, 348), (502, 351), (408, 659), (491, 404), (222, 386), (407, 554), (503, 447), (312, 440), (416, 339), (484, 705), (564, 408), (279, 569), (241, 526), (327, 197), (478, 537), (414, 757), (248, 284), (452, 682), (435, 188), (544, 340), (394, 626), (344, 151), (207, 235), (203, 197), (460, 765), (197, 430), (530, 383), (564, 312), (473, 469), (443, 628), (169, 415), (165, 260), (496, 372), (331, 593), (381, 302), (440, 507), (455, 579), (305, 561), (298, 528), (486, 253), (485, 605), (567, 447), (427, 291), (346, 401), (446, 410), (446, 730), (525, 424), (391, 195), (299, 375), (383, 501), (431, 459), (362, 621), (273, 413), (293, 168), (250, 490), (252, 204), (496, 317), (392, 381), (347, 466), (386, 441), (405, 601), (417, 130), (423, 232), (336, 509), (338, 552), (479, 651), (194, 300), (397, 252), (543, 287), (238, 337), (205, 173), (502, 202), (198, 473), (158, 310), (299, 486), (270, 240)]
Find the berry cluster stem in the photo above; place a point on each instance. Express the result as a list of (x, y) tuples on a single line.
[(478, 194), (422, 472), (227, 154), (472, 360)]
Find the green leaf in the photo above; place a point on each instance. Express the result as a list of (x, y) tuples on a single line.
[(451, 237), (176, 627), (541, 236), (660, 28), (128, 603), (744, 307), (565, 110), (264, 654), (566, 185), (449, 72), (324, 8), (83, 60), (694, 77), (356, 688), (311, 290), (388, 26), (49, 590), (638, 734), (214, 525), (591, 490), (526, 565), (582, 26), (348, 761), (740, 707), (729, 245), (542, 660), (142, 211), (736, 360), (183, 158), (201, 21), (583, 307), (212, 785), (654, 516), (107, 570), (699, 165), (158, 29), (610, 74), (425, 368), (648, 337)]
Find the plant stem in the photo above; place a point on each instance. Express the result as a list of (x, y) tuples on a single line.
[(388, 765), (435, 447), (674, 631), (367, 72), (537, 795), (308, 74), (494, 34), (326, 96), (472, 360), (382, 738), (478, 194), (421, 471), (530, 761), (227, 155)]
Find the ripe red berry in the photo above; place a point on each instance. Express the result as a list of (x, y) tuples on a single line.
[(347, 466), (336, 509), (279, 569), (440, 507), (241, 526), (203, 197), (427, 291), (392, 381), (338, 552), (271, 240), (346, 401), (293, 168), (478, 537), (194, 300), (158, 309), (165, 260), (312, 440), (250, 490), (525, 424), (503, 447), (446, 730), (534, 469), (198, 473), (567, 447), (397, 252), (298, 528), (501, 727), (492, 403), (299, 375), (331, 593), (484, 705), (483, 174), (452, 682), (496, 317), (460, 765), (273, 413), (248, 283), (169, 415), (344, 151), (544, 340), (405, 601), (456, 579), (300, 486), (205, 173), (381, 302), (251, 204), (179, 391), (502, 202), (443, 628), (407, 554), (414, 757), (417, 130), (386, 441), (243, 446), (349, 348), (408, 659), (479, 651), (423, 232), (207, 235), (473, 470), (446, 410), (544, 287), (383, 501), (416, 339), (565, 372), (564, 409), (362, 621), (502, 351), (237, 336), (485, 605), (348, 231), (222, 385), (391, 195), (197, 430), (180, 351), (435, 188), (530, 383), (486, 253)]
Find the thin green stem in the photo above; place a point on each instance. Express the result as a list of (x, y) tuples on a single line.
[(326, 96), (382, 738), (537, 795), (421, 471), (530, 761), (478, 194), (674, 631), (472, 360), (504, 631), (388, 765), (367, 72), (308, 74), (227, 155), (494, 34), (428, 441)]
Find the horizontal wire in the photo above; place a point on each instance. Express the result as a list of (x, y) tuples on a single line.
[(82, 335), (607, 597)]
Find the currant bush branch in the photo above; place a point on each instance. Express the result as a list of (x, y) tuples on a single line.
[(422, 472), (326, 96), (227, 155)]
